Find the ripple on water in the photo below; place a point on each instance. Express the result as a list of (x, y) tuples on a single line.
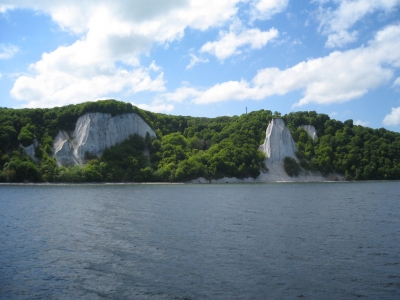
[(260, 241)]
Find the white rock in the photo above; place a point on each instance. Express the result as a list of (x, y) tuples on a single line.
[(94, 132), (278, 142), (30, 150), (63, 150), (277, 145), (310, 129)]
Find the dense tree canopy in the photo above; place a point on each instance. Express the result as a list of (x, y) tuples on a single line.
[(188, 147), (358, 152)]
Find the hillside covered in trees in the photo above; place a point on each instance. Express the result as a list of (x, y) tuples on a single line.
[(188, 147)]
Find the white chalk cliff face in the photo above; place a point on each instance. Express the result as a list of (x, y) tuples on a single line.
[(278, 142), (30, 150), (94, 132), (277, 145), (310, 129)]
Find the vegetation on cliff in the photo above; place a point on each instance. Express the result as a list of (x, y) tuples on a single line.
[(189, 147), (359, 153)]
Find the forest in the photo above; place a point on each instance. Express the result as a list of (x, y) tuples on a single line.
[(190, 147)]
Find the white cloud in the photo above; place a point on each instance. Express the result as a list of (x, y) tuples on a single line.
[(156, 106), (337, 24), (5, 7), (112, 36), (231, 90), (194, 60), (231, 41), (181, 94), (396, 82), (393, 118), (265, 9), (160, 20), (341, 38), (362, 123), (336, 78), (8, 51), (47, 89)]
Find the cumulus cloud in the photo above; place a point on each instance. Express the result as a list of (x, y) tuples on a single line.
[(333, 114), (336, 78), (393, 118), (87, 69), (362, 123), (194, 60), (53, 87), (111, 37), (7, 51), (163, 20), (265, 9), (4, 8), (337, 24), (230, 42), (182, 94), (156, 106)]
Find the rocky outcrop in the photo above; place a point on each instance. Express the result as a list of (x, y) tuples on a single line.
[(278, 142), (94, 132), (30, 150), (63, 150), (277, 145), (310, 129)]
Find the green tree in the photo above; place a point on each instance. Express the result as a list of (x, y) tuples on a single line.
[(291, 166)]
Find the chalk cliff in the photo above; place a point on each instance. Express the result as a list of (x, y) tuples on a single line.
[(94, 132), (30, 150), (278, 142), (277, 145), (310, 129)]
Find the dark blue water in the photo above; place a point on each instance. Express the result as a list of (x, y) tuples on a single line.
[(234, 241)]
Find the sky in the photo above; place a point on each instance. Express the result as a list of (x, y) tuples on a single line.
[(206, 58)]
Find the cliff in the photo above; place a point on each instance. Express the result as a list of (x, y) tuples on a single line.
[(310, 130), (94, 132), (186, 148), (277, 145), (278, 142), (30, 150)]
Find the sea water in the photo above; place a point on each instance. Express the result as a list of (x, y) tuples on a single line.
[(228, 241)]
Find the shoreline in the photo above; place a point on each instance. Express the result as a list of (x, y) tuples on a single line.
[(180, 183), (88, 183)]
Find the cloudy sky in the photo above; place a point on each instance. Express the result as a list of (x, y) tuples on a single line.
[(206, 57)]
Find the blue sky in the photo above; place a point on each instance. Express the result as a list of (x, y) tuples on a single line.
[(205, 57)]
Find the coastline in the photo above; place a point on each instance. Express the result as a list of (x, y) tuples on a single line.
[(221, 181), (225, 180)]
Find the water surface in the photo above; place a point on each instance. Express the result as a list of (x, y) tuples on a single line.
[(230, 241)]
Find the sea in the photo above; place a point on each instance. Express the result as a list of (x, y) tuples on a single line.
[(200, 241)]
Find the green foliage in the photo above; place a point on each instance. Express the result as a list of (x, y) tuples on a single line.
[(92, 171), (357, 152), (124, 162), (188, 147), (48, 168), (73, 174), (26, 136), (21, 169), (291, 166), (211, 148)]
